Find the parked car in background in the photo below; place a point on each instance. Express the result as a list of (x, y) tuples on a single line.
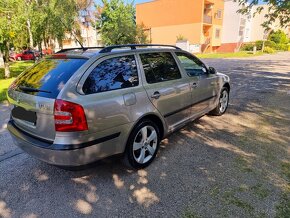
[(82, 105), (25, 55), (47, 51)]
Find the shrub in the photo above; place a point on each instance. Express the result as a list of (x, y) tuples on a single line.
[(247, 47), (259, 44), (281, 47), (278, 37), (268, 43), (269, 50)]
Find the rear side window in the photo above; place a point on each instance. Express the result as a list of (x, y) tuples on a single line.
[(159, 67), (111, 74), (49, 75)]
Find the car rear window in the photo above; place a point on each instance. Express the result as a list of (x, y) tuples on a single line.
[(49, 75)]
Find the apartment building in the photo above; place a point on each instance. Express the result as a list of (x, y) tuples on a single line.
[(239, 29), (89, 35), (199, 22)]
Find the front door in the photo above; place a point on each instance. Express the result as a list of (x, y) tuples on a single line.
[(203, 85)]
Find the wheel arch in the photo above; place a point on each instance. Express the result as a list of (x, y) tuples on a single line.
[(227, 85), (156, 119), (153, 117)]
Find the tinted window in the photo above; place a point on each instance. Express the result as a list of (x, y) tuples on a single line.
[(159, 67), (50, 75), (112, 74), (191, 65)]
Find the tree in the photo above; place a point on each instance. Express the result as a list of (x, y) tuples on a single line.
[(141, 34), (278, 10), (8, 29), (279, 37), (116, 23)]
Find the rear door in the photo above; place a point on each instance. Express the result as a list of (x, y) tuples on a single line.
[(111, 92), (204, 86), (165, 86), (33, 94)]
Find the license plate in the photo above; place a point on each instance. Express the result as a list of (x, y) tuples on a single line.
[(22, 114)]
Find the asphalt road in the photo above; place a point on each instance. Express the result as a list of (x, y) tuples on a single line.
[(227, 166)]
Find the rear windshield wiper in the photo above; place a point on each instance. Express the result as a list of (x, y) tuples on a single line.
[(29, 89)]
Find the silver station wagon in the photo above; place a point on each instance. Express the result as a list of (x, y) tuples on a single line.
[(84, 104)]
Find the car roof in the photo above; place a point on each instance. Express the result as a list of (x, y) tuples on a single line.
[(88, 52)]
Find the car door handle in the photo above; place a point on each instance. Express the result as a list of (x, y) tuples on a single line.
[(156, 95), (194, 85)]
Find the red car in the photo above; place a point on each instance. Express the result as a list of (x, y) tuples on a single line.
[(25, 55)]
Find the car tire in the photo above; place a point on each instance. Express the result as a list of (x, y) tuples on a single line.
[(142, 145), (222, 106)]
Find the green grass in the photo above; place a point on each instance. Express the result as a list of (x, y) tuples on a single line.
[(240, 54), (230, 198), (283, 207), (260, 191), (15, 69)]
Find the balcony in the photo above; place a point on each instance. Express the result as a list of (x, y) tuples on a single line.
[(207, 19)]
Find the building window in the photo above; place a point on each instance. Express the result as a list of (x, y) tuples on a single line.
[(219, 14), (217, 33)]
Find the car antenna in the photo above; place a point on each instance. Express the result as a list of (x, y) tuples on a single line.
[(74, 35)]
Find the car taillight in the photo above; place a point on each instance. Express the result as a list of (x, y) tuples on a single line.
[(69, 117)]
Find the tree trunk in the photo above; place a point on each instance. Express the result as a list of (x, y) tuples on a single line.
[(7, 71), (6, 60), (1, 60), (29, 33)]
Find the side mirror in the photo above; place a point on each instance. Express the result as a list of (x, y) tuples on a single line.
[(211, 70)]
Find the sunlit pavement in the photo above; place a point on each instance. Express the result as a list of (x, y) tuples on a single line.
[(214, 167)]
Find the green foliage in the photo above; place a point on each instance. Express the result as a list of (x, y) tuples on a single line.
[(141, 35), (247, 47), (281, 47), (278, 37), (278, 10), (46, 20), (268, 43), (269, 50), (116, 23)]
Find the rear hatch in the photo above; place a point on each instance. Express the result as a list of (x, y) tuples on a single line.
[(34, 92)]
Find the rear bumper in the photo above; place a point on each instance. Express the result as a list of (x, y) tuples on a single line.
[(53, 154)]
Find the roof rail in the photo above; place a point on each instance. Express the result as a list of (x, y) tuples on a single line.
[(79, 48), (134, 46)]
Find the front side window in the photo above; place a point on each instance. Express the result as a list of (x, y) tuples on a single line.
[(111, 74), (191, 65), (159, 67)]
